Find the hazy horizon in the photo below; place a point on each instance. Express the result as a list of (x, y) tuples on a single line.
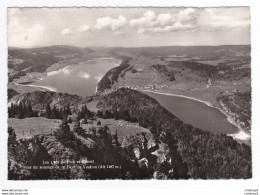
[(128, 27), (40, 46)]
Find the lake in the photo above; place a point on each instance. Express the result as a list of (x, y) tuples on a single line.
[(196, 113), (80, 79)]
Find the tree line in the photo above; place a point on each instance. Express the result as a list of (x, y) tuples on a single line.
[(21, 111)]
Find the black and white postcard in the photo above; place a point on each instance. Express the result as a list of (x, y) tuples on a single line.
[(129, 93)]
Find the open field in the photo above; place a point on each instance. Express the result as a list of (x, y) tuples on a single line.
[(123, 128), (28, 127)]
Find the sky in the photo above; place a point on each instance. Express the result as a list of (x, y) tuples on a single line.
[(128, 27)]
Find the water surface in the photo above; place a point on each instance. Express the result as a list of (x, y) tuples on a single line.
[(80, 79), (196, 113)]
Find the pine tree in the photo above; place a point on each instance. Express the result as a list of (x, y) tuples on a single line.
[(84, 108), (126, 116), (61, 114), (107, 114), (85, 121), (77, 128), (99, 114), (29, 110), (115, 113), (54, 114), (11, 134), (180, 169), (21, 115), (64, 125), (48, 111), (63, 133), (67, 110), (21, 111), (11, 111)]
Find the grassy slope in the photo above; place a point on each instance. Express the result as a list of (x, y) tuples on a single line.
[(28, 127)]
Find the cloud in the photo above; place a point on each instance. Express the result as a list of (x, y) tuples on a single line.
[(178, 26), (66, 31), (147, 20), (164, 19), (165, 22), (186, 14), (124, 24), (83, 28), (213, 19), (110, 23), (190, 20)]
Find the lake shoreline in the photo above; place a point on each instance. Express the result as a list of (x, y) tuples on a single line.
[(43, 75), (240, 135), (52, 70), (52, 89), (28, 81)]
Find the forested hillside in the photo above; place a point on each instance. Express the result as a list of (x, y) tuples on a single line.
[(39, 59), (207, 155), (39, 99), (113, 75)]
